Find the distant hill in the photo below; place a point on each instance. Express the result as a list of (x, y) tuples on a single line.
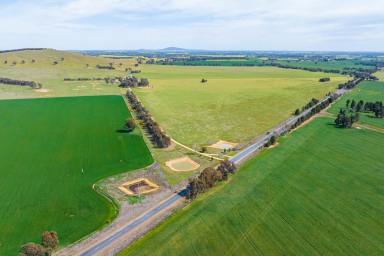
[(174, 49), (23, 49)]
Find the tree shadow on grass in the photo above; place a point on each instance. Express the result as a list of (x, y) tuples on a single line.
[(123, 131)]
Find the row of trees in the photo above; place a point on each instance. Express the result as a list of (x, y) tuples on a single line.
[(49, 243), (351, 83), (345, 119), (157, 135), (105, 67), (132, 81), (108, 80), (316, 109), (209, 177), (310, 104), (20, 82), (376, 107)]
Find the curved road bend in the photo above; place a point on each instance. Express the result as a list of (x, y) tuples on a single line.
[(236, 159)]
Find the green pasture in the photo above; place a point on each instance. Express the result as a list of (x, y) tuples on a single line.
[(320, 192), (236, 104), (52, 76), (52, 152), (366, 91)]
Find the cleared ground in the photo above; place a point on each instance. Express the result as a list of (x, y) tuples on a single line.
[(52, 151), (236, 104), (318, 193), (366, 91)]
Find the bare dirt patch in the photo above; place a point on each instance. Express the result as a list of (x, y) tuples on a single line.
[(223, 145), (182, 164), (138, 186), (42, 90)]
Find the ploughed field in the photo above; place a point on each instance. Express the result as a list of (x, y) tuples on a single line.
[(318, 193), (52, 151), (236, 104)]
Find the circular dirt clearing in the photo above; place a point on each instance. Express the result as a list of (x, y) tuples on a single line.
[(183, 164)]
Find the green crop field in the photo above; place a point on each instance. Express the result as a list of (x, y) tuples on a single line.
[(366, 91), (45, 145), (327, 65), (236, 104), (320, 192)]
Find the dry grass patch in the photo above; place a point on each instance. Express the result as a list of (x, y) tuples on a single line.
[(182, 164), (223, 145)]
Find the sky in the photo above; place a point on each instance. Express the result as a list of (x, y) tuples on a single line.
[(298, 25)]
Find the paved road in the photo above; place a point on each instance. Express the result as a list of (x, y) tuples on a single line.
[(277, 131), (238, 158), (132, 225)]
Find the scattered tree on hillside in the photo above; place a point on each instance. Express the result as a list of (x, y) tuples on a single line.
[(33, 61), (55, 63), (324, 79), (5, 62)]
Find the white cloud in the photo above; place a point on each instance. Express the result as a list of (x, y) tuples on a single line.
[(214, 24)]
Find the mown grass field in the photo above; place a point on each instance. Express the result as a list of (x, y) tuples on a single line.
[(236, 104), (45, 144), (318, 193), (366, 91)]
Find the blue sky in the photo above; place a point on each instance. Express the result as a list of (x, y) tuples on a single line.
[(349, 25)]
